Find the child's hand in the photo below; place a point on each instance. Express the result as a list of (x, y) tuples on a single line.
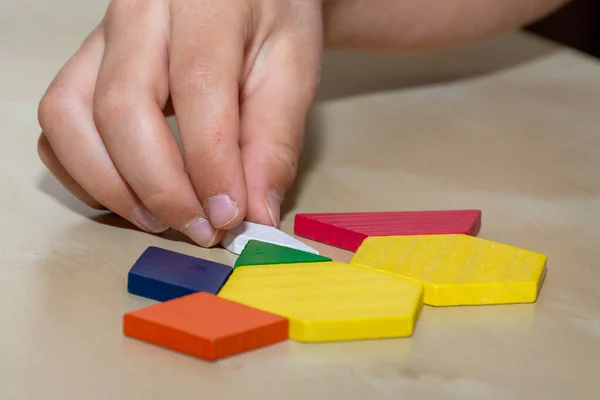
[(241, 75)]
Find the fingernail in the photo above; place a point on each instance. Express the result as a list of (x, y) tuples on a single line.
[(148, 221), (221, 210), (273, 203), (201, 231)]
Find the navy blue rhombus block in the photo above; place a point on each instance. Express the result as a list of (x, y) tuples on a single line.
[(162, 275)]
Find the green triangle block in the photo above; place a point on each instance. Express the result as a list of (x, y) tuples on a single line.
[(261, 253)]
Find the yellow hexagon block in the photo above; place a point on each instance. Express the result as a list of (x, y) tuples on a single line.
[(457, 269), (329, 301)]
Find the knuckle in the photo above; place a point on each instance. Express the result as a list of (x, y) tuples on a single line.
[(172, 203), (55, 109)]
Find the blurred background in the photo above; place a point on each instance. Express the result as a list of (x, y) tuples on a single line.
[(576, 24)]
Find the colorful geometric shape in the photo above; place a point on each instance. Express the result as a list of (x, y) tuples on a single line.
[(329, 301), (261, 253), (162, 275), (235, 239), (205, 326), (457, 269), (348, 230)]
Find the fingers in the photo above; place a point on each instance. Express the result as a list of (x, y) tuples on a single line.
[(207, 45), (131, 92), (48, 157), (65, 115), (273, 116)]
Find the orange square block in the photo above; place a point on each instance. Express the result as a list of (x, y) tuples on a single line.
[(205, 326)]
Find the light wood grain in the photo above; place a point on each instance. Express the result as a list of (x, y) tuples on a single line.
[(509, 126)]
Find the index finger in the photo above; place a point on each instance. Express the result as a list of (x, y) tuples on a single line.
[(205, 66)]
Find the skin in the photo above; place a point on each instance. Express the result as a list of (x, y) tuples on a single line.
[(239, 76)]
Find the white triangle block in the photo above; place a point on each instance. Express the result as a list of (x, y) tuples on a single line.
[(236, 239)]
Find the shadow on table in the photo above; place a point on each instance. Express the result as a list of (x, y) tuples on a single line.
[(49, 185), (349, 74)]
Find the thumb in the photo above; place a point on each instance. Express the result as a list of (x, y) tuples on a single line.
[(273, 117)]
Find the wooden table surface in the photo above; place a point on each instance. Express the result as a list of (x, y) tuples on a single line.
[(509, 126)]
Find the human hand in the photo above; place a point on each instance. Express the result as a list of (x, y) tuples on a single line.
[(239, 75)]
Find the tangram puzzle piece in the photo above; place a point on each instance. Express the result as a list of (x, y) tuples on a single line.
[(236, 239), (349, 230), (205, 326), (261, 253), (458, 269), (329, 301), (161, 275)]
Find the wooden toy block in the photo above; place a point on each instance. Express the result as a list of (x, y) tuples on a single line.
[(348, 230), (329, 301), (458, 269), (205, 326), (261, 253), (236, 239), (162, 275)]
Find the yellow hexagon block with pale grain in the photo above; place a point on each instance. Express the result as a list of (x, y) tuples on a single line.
[(457, 269), (329, 301)]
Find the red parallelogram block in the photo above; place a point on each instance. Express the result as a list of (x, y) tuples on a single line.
[(348, 230), (205, 326)]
